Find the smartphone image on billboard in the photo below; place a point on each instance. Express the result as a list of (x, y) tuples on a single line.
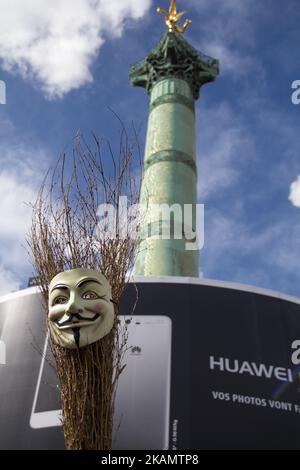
[(46, 409), (142, 408), (142, 404)]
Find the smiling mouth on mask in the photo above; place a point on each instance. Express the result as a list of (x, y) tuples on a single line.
[(78, 317)]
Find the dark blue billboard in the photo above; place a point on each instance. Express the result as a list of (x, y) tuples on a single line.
[(209, 367)]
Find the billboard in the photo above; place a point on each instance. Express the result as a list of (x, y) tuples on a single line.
[(209, 368)]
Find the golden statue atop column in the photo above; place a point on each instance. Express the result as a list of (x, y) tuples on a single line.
[(172, 18)]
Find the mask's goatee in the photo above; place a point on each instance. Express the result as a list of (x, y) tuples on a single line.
[(76, 332)]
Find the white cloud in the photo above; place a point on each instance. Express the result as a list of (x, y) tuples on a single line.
[(231, 154), (265, 255), (20, 179), (227, 33), (226, 20), (222, 140), (294, 195), (8, 282), (56, 41), (232, 61), (14, 191)]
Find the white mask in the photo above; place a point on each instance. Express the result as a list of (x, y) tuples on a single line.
[(80, 308)]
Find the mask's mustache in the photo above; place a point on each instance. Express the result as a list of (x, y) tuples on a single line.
[(78, 316)]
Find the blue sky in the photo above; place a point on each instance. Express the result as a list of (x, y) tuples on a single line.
[(65, 62)]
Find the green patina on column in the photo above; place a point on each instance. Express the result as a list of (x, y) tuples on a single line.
[(172, 75)]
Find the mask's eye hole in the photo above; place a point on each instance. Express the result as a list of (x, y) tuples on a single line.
[(90, 295), (60, 300)]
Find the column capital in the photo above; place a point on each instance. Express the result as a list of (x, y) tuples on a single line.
[(174, 57)]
